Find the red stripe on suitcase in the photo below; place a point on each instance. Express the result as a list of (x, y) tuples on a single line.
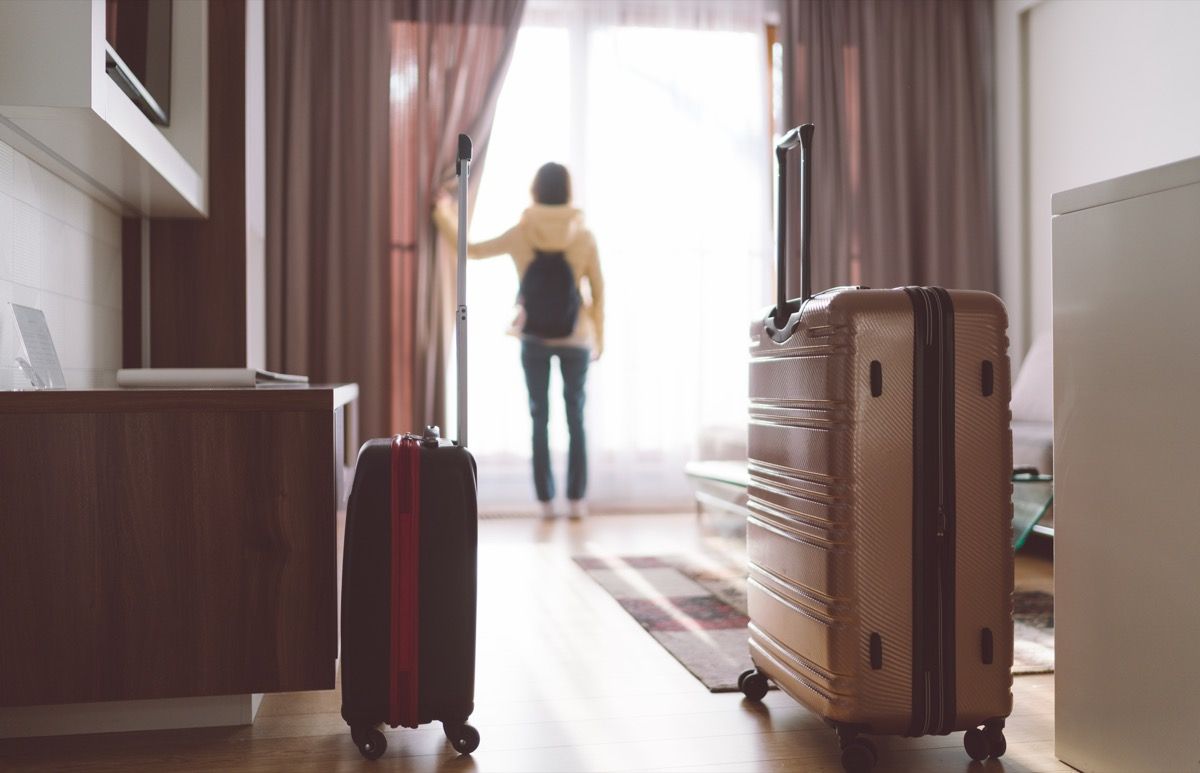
[(406, 499)]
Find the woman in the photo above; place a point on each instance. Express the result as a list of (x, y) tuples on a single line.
[(554, 253)]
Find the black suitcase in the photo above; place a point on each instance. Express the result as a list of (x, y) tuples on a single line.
[(409, 571)]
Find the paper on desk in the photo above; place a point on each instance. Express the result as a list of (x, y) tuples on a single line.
[(203, 377), (39, 346)]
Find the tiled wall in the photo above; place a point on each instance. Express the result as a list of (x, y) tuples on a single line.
[(60, 251)]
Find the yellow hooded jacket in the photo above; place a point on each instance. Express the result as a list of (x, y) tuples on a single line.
[(550, 228)]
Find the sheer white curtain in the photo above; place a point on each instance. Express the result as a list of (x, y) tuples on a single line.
[(661, 112)]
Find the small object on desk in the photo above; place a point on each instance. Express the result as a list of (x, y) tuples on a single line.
[(42, 368), (30, 373), (203, 377)]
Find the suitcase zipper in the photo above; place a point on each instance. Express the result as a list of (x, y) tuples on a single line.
[(946, 510), (940, 523), (922, 681), (933, 443)]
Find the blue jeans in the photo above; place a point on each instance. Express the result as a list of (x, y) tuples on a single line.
[(573, 360)]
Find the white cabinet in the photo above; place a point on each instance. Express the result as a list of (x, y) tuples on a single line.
[(1127, 471), (59, 106)]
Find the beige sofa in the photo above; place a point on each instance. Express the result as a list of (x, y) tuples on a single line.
[(1033, 408)]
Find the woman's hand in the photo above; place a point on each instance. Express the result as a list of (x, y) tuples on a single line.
[(445, 216)]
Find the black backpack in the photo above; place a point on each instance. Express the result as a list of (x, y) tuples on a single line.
[(550, 296)]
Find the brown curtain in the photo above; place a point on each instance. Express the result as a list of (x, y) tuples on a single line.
[(900, 92), (328, 276), (449, 61), (364, 101)]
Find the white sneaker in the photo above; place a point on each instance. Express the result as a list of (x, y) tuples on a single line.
[(579, 509), (546, 509)]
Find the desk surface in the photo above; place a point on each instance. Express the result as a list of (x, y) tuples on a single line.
[(291, 397)]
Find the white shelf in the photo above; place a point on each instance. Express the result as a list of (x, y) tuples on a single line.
[(58, 106)]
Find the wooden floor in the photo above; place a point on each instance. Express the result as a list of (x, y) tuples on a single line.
[(567, 681)]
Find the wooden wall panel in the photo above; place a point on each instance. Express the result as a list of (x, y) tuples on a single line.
[(198, 267)]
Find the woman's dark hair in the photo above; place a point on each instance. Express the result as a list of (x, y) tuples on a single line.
[(552, 184)]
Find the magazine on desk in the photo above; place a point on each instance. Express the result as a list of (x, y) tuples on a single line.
[(199, 378)]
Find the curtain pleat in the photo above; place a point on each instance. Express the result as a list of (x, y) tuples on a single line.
[(365, 99), (449, 62), (327, 196), (900, 93)]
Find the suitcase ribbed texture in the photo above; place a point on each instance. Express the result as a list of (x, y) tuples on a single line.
[(880, 527), (830, 533)]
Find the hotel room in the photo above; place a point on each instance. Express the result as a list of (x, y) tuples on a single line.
[(260, 261)]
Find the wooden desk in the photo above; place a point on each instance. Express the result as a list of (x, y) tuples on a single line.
[(168, 543)]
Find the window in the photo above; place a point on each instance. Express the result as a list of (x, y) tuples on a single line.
[(666, 133)]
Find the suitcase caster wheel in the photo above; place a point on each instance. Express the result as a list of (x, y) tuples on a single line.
[(976, 743), (858, 756), (371, 742), (464, 738), (753, 685), (996, 743)]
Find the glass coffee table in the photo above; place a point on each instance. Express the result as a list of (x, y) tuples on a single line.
[(720, 488), (1033, 494)]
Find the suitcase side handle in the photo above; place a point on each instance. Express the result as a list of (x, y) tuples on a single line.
[(463, 169), (802, 136)]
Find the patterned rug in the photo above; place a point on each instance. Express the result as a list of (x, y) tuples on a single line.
[(695, 607), (1033, 632)]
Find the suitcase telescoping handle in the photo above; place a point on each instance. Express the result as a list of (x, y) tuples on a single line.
[(802, 136), (460, 324)]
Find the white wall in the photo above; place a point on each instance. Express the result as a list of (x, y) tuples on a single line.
[(60, 251), (1086, 90), (256, 185), (188, 128)]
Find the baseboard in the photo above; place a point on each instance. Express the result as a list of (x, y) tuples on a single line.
[(128, 716)]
